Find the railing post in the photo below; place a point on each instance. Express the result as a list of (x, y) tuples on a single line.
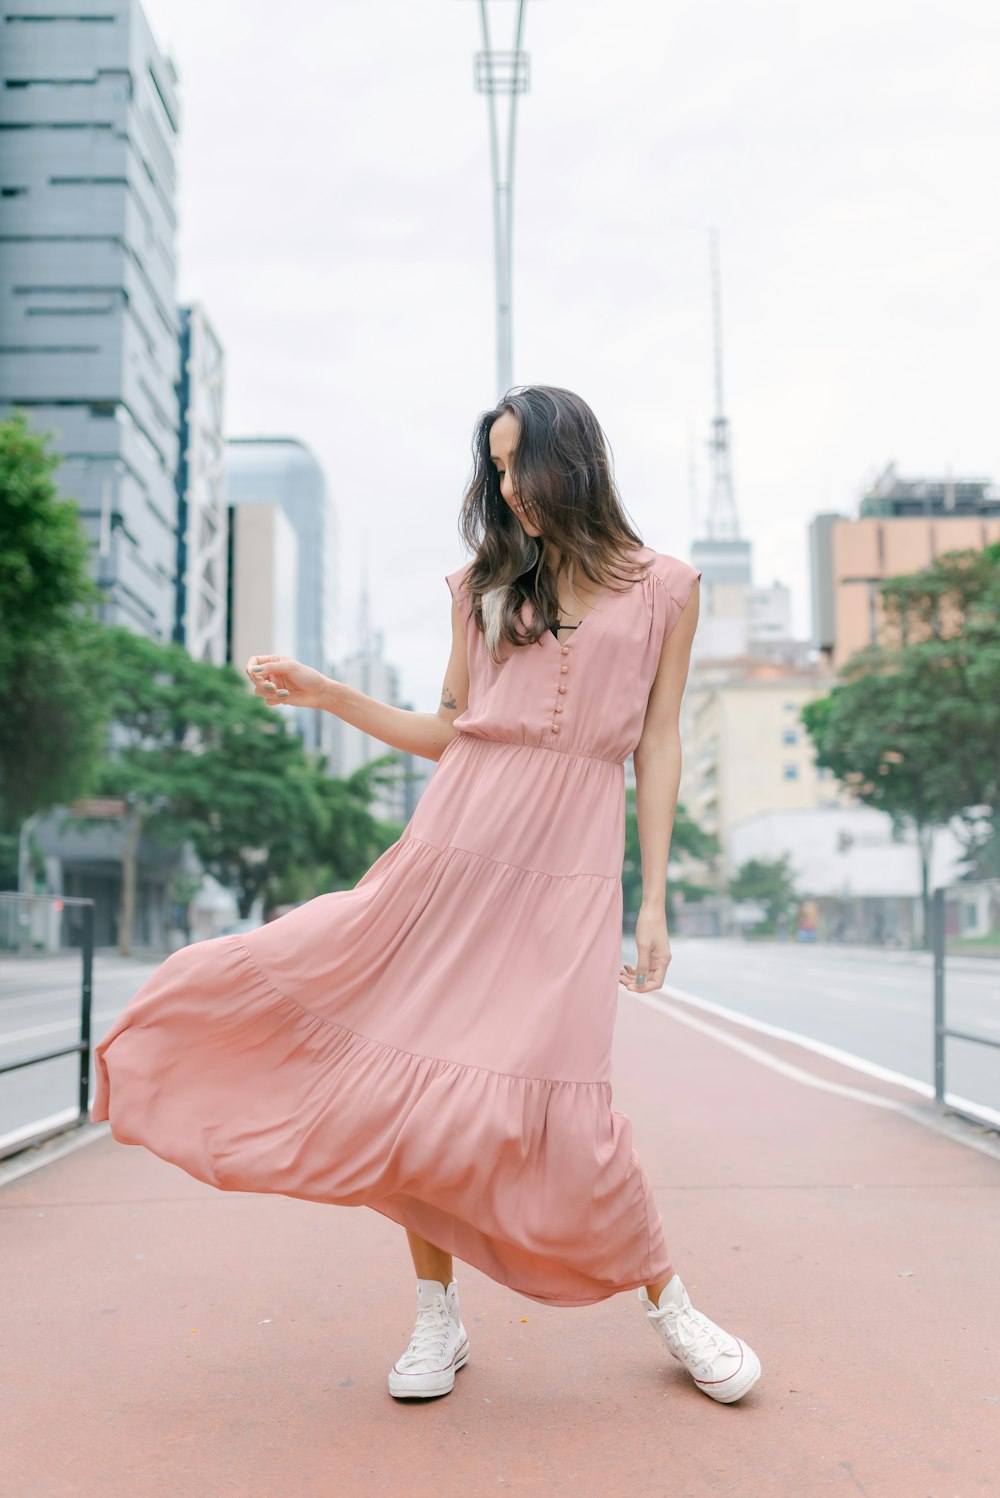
[(86, 1002), (937, 938)]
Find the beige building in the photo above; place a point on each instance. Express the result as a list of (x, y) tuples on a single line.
[(263, 617), (903, 526), (744, 748), (866, 552)]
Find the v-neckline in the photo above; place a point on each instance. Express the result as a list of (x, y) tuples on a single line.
[(596, 609), (547, 637), (576, 628)]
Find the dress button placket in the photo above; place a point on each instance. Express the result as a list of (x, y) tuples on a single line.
[(563, 669)]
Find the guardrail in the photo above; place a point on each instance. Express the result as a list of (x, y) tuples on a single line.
[(83, 1045), (990, 922)]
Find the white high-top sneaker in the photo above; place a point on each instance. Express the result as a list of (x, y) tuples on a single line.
[(438, 1347), (722, 1366)]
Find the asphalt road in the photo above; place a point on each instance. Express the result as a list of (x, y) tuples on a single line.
[(39, 1012), (874, 1005)]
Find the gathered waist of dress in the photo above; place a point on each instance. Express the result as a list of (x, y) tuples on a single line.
[(483, 738)]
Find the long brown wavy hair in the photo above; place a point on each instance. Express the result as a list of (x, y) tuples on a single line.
[(562, 472)]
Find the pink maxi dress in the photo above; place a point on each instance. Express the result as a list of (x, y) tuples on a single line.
[(435, 1043)]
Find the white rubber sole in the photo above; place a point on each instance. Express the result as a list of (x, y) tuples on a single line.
[(739, 1384), (428, 1385)]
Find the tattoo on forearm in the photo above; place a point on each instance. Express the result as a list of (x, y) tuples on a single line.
[(448, 698)]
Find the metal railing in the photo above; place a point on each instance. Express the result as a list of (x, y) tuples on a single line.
[(82, 1047), (939, 945)]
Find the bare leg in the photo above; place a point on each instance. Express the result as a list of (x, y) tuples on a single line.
[(430, 1263), (655, 1291)]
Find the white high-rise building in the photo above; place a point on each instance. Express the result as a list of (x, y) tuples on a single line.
[(282, 471), (88, 322), (202, 515)]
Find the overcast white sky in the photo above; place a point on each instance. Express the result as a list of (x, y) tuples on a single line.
[(336, 224)]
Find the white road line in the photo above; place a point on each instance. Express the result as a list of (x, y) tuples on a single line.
[(69, 1024), (6, 1005), (796, 1073)]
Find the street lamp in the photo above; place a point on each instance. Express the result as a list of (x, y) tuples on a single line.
[(504, 74)]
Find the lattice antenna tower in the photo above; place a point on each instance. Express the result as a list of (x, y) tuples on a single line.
[(723, 523), (502, 76)]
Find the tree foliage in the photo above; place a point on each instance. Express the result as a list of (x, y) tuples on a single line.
[(687, 838), (53, 724), (913, 727), (768, 882), (203, 759)]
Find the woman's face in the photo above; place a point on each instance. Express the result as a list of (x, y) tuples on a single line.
[(503, 441)]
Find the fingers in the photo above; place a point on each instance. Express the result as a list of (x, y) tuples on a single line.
[(653, 973), (258, 673)]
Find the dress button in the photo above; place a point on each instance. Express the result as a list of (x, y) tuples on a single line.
[(555, 728), (562, 689), (558, 707), (565, 650), (564, 669)]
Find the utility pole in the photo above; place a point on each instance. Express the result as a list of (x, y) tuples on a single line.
[(722, 519), (504, 75)]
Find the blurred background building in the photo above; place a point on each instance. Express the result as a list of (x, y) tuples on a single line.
[(202, 573), (749, 774), (282, 473), (89, 337), (366, 669), (228, 548), (902, 525), (232, 547)]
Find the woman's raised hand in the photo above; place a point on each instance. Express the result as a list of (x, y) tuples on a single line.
[(284, 681)]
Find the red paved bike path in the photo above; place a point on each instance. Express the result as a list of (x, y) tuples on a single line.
[(165, 1340)]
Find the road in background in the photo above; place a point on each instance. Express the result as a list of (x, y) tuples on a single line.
[(40, 1011), (878, 1005)]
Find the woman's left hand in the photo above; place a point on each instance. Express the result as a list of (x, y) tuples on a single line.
[(653, 945)]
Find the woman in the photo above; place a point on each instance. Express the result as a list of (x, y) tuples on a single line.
[(435, 1043)]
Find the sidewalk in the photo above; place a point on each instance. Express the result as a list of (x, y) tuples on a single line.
[(165, 1340)]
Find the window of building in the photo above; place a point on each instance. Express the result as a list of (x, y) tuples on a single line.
[(789, 736), (791, 772)]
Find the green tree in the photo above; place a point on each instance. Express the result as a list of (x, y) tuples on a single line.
[(686, 838), (53, 724), (346, 837), (197, 757), (913, 728), (768, 882)]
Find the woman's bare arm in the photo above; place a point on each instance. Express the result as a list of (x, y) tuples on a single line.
[(426, 734), (657, 756)]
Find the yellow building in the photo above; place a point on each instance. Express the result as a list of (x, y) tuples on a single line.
[(744, 747)]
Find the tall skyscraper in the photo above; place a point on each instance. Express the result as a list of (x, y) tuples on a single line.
[(202, 513), (88, 325), (282, 471)]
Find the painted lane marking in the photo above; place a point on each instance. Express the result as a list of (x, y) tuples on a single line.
[(798, 1074)]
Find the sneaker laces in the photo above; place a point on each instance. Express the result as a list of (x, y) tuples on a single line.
[(430, 1335), (692, 1330)]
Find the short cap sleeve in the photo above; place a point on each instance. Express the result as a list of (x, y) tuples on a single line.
[(455, 581), (677, 577)]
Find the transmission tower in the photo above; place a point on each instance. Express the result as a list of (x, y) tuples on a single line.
[(723, 523), (502, 75)]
